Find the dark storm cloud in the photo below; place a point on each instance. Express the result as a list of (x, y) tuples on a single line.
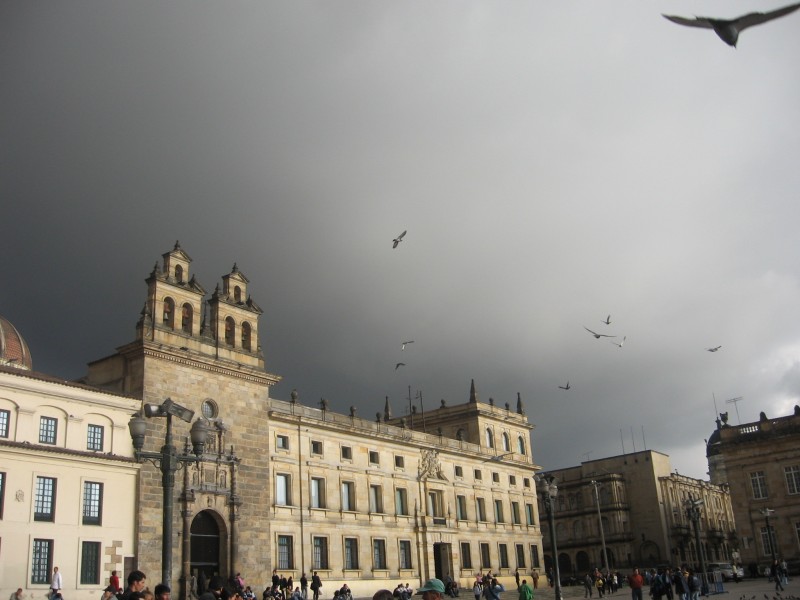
[(552, 164)]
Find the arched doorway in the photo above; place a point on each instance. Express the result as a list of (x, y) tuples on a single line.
[(564, 564), (208, 544), (649, 554), (582, 562)]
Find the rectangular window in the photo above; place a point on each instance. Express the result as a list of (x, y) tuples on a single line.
[(375, 499), (48, 430), (2, 492), (282, 442), (526, 482), (498, 511), (495, 477), (316, 447), (399, 462), (401, 501), (515, 513), (374, 458), (768, 541), (44, 506), (347, 453), (478, 475), (512, 480), (319, 558), (92, 503), (529, 514), (282, 490), (436, 507), (503, 549), (285, 552), (792, 479), (486, 562), (348, 496), (5, 417), (90, 563), (317, 492), (759, 483), (481, 504), (351, 553), (461, 508), (459, 471), (94, 438), (535, 556), (405, 555), (520, 556), (41, 561), (466, 556), (378, 554)]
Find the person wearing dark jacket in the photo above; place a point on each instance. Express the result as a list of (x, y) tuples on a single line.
[(214, 591)]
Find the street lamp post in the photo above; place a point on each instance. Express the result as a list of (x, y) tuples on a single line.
[(548, 498), (693, 512), (596, 484), (169, 461), (767, 512)]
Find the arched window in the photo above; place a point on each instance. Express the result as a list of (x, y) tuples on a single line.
[(577, 530), (237, 294), (169, 313), (489, 438), (186, 318), (506, 442), (521, 445), (246, 336), (230, 331), (179, 273), (605, 497)]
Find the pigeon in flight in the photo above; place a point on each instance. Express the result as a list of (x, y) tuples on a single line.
[(597, 335), (398, 365), (404, 344), (399, 239), (608, 320), (714, 349), (564, 387), (728, 30), (619, 345)]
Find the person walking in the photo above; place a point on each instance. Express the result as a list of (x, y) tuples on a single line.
[(525, 591), (636, 583), (316, 584), (56, 582), (777, 573), (304, 586)]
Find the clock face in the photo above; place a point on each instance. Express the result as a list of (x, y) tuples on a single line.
[(210, 409)]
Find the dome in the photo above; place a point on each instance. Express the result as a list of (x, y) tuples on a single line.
[(13, 348)]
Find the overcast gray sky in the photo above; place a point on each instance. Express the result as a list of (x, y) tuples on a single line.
[(552, 163)]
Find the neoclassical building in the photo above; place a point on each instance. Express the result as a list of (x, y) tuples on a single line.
[(760, 462), (641, 504), (285, 485), (68, 479)]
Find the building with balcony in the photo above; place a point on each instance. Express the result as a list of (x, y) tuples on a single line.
[(635, 505), (760, 462)]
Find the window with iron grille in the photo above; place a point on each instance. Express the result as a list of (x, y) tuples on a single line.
[(48, 430), (285, 552), (44, 505), (41, 561), (405, 554), (378, 554), (92, 503), (90, 563), (319, 558), (94, 438), (5, 417), (351, 553)]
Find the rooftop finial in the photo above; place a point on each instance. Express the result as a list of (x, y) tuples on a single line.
[(177, 245), (387, 410), (520, 408), (473, 395)]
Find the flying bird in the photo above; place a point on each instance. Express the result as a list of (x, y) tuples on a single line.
[(404, 344), (608, 320), (620, 343), (597, 335), (728, 30), (714, 349), (564, 387), (398, 365), (399, 239)]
